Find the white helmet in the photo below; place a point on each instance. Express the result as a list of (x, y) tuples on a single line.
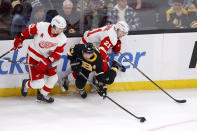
[(59, 22), (122, 26)]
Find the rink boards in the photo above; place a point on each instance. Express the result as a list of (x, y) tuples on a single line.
[(168, 59)]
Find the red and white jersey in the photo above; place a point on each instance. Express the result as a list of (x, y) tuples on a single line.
[(45, 44), (96, 35), (104, 38)]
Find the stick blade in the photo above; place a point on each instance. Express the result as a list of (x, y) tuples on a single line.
[(181, 101), (142, 119)]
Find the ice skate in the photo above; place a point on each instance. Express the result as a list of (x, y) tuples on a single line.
[(45, 99), (83, 93), (24, 89), (64, 84)]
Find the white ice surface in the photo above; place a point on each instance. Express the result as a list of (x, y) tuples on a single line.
[(71, 113)]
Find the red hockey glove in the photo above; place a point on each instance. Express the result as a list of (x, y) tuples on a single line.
[(18, 42), (117, 47)]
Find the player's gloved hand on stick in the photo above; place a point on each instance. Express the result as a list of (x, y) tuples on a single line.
[(102, 91), (18, 42), (76, 66), (43, 64)]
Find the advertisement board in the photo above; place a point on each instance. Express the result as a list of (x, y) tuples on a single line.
[(162, 57)]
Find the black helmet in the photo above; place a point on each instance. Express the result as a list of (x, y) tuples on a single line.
[(88, 48)]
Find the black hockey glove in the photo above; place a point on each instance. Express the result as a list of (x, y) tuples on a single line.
[(76, 66), (102, 91)]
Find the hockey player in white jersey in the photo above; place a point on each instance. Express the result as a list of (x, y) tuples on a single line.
[(106, 38), (47, 47)]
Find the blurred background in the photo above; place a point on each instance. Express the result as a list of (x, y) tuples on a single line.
[(143, 16)]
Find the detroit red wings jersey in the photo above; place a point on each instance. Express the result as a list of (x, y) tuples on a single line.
[(105, 38), (95, 36), (45, 44)]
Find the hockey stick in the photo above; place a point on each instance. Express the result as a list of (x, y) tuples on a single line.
[(179, 101), (6, 53), (142, 119), (17, 62), (9, 51)]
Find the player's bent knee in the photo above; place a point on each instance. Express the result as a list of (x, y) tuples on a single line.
[(37, 84), (80, 84), (110, 81), (112, 77), (51, 81)]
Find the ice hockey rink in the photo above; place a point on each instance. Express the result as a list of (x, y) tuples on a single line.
[(71, 113)]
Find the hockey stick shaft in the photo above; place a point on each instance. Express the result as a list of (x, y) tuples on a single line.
[(5, 53), (142, 119), (17, 62), (179, 101), (123, 107)]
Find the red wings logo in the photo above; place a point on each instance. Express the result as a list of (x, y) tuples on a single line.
[(46, 44)]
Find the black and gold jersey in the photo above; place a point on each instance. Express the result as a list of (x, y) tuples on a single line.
[(93, 64), (175, 21)]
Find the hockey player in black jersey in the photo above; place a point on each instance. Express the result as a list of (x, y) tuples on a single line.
[(85, 58)]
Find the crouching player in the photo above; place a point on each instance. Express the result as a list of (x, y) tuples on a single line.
[(85, 58)]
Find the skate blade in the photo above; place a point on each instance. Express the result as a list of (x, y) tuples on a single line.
[(43, 102)]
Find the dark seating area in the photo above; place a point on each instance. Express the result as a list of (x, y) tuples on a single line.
[(141, 15)]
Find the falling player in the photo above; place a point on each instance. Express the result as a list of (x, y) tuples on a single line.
[(85, 58)]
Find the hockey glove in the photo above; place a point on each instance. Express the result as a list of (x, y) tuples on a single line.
[(76, 66), (102, 91), (117, 47), (18, 42)]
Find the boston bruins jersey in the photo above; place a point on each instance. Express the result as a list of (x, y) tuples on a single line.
[(175, 21), (92, 64)]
